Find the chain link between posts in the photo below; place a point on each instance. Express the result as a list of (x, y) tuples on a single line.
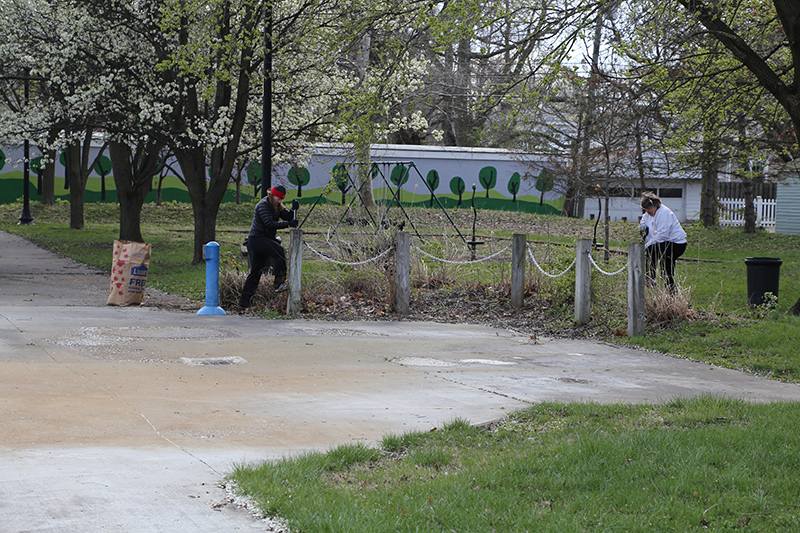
[(326, 258)]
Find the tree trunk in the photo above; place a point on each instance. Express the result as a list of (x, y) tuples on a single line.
[(639, 156), (749, 206), (133, 184), (743, 160), (206, 196), (49, 178), (364, 176), (73, 177), (49, 170), (709, 175)]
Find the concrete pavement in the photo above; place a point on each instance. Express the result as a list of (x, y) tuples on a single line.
[(127, 419)]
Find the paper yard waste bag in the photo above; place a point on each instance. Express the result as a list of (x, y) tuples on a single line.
[(129, 272)]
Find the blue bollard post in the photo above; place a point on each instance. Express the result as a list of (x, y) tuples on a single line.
[(211, 253)]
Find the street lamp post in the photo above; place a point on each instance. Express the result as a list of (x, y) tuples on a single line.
[(266, 109)]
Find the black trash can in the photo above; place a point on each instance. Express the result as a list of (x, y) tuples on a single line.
[(763, 276)]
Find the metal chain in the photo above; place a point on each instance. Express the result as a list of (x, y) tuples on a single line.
[(326, 258), (545, 273), (423, 252)]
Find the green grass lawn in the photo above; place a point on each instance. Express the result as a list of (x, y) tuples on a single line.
[(692, 464)]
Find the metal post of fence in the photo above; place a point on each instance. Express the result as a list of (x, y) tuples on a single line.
[(636, 275), (518, 269), (295, 271), (403, 273), (583, 282)]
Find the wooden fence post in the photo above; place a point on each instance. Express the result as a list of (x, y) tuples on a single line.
[(583, 282), (295, 271), (518, 269), (402, 273), (636, 275)]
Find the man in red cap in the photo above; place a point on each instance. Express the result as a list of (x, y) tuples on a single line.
[(263, 244)]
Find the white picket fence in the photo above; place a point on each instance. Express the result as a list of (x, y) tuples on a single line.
[(731, 212)]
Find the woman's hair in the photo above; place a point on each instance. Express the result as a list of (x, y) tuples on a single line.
[(649, 199)]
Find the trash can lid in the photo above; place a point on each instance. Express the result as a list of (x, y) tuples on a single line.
[(763, 261)]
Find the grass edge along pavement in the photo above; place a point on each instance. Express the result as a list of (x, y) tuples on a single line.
[(716, 327), (704, 463)]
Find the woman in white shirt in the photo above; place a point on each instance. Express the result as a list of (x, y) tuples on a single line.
[(666, 239)]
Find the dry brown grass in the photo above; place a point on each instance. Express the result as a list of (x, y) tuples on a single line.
[(663, 308)]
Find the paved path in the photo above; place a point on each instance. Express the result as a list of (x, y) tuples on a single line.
[(127, 419)]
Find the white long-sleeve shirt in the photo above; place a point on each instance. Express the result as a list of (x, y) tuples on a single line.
[(662, 227)]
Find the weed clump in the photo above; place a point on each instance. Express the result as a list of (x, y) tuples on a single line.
[(664, 308)]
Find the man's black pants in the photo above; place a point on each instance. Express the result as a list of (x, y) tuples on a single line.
[(260, 251)]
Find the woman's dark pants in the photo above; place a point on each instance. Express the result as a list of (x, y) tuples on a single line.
[(665, 254)]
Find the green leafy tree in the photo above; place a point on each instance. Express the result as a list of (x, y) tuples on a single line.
[(432, 179), (299, 176), (457, 186), (488, 178), (514, 184), (740, 26)]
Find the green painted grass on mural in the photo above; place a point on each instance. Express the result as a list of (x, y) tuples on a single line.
[(172, 190), (495, 202)]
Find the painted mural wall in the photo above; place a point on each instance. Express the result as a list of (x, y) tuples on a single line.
[(502, 180), (413, 175), (99, 186), (427, 176)]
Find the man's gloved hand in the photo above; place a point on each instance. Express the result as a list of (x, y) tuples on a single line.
[(295, 205), (643, 232), (293, 223)]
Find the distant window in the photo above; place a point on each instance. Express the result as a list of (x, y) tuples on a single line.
[(637, 192), (670, 193), (619, 192)]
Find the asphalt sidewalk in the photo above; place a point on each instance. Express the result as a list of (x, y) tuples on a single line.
[(128, 418)]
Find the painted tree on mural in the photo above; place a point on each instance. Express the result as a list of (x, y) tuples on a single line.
[(514, 184), (254, 173), (544, 183), (487, 177), (399, 176), (457, 186), (299, 177), (341, 178), (103, 169), (432, 180)]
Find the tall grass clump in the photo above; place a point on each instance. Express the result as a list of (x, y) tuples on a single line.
[(664, 308)]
